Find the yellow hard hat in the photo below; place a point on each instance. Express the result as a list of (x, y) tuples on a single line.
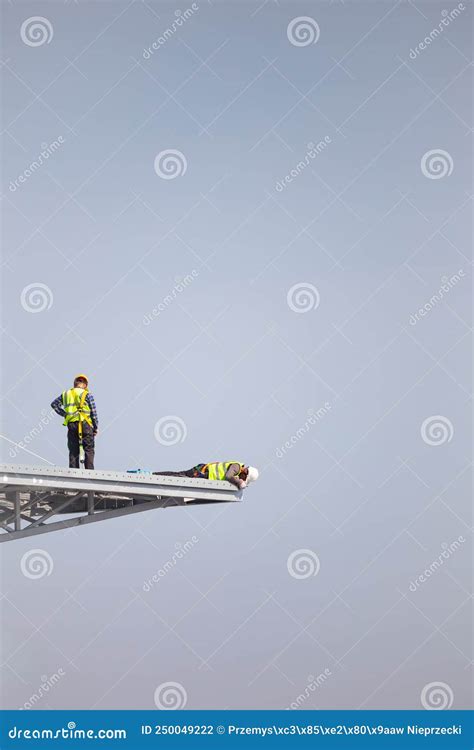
[(81, 376)]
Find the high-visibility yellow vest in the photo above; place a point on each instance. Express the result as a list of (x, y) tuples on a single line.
[(76, 407), (218, 470)]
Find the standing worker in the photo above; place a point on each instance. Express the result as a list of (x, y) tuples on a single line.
[(78, 408)]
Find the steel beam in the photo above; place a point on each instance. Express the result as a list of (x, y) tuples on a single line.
[(19, 477), (46, 493), (32, 529), (61, 508)]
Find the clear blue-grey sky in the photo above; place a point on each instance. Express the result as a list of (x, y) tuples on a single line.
[(252, 219)]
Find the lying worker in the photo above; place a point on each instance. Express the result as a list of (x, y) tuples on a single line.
[(232, 471), (78, 408)]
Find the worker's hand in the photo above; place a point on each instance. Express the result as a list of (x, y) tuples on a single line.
[(242, 484), (96, 433)]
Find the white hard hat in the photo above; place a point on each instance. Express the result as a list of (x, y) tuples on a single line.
[(252, 474)]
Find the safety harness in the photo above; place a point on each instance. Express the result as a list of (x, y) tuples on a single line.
[(77, 411)]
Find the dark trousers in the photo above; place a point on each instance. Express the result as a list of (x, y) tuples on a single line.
[(193, 473), (88, 443)]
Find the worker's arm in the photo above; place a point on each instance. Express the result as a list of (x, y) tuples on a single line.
[(93, 408), (232, 476), (57, 405)]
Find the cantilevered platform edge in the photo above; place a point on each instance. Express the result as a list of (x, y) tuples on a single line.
[(31, 496)]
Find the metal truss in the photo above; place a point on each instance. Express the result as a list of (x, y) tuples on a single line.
[(32, 498)]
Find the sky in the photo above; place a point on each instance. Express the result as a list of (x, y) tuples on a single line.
[(249, 223)]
